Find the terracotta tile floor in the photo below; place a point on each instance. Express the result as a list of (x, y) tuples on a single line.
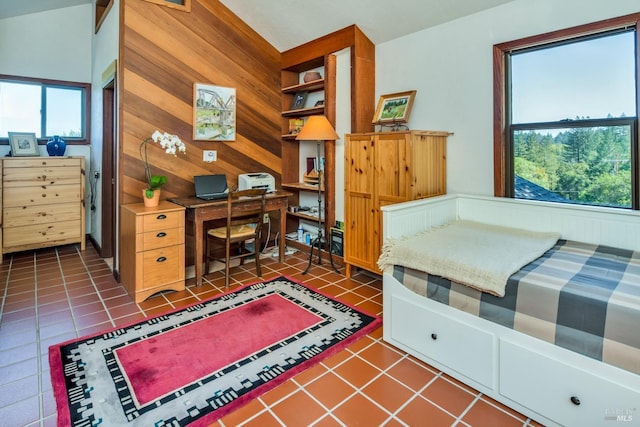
[(53, 295)]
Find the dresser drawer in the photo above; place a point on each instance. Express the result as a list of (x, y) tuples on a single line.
[(161, 238), (547, 386), (162, 220), (462, 347), (44, 214), (41, 195), (41, 235), (34, 162), (161, 266), (41, 175)]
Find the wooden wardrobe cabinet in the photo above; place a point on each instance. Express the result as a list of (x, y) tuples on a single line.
[(42, 202), (381, 169), (151, 249)]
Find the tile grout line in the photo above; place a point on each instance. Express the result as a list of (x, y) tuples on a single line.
[(95, 288), (38, 344), (6, 287)]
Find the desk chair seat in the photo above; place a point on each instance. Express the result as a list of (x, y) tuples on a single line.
[(241, 225)]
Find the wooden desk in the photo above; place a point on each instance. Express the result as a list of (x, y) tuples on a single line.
[(199, 211)]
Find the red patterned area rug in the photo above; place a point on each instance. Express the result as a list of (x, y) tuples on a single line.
[(196, 364)]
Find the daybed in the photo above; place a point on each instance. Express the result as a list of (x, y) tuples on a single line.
[(531, 367)]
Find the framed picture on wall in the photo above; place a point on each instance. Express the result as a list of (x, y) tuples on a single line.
[(23, 144), (214, 113), (184, 5), (394, 108)]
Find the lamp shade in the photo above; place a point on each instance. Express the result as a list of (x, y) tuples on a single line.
[(317, 128)]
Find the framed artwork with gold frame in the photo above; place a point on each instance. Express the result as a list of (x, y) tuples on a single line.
[(394, 108), (184, 5)]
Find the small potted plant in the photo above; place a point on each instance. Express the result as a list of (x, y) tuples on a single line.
[(171, 144)]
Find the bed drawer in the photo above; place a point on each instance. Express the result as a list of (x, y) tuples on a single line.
[(564, 393), (461, 347)]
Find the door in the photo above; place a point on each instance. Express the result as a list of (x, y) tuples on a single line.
[(358, 199)]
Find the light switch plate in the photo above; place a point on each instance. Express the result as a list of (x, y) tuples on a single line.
[(209, 156)]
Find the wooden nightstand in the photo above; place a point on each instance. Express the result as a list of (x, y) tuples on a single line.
[(151, 249)]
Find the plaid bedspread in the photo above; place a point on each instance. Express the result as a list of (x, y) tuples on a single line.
[(582, 297)]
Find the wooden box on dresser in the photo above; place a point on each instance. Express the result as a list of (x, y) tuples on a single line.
[(152, 249), (42, 202), (383, 168)]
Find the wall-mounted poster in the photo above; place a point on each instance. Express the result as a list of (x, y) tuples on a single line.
[(184, 5), (214, 113)]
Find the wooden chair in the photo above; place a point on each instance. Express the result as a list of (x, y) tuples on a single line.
[(242, 224)]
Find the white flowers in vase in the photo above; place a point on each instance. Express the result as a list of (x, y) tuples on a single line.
[(171, 145)]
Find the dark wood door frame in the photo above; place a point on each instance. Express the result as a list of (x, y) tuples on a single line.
[(108, 169)]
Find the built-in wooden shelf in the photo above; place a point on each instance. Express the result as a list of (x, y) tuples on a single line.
[(313, 86), (301, 186), (306, 216), (301, 112)]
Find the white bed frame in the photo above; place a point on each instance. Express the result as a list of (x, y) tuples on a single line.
[(552, 385)]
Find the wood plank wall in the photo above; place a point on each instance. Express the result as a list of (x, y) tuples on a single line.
[(163, 52)]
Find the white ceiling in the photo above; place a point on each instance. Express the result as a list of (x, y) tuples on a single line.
[(289, 23)]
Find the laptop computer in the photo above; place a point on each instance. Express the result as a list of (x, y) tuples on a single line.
[(211, 187)]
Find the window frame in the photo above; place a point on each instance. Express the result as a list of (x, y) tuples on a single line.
[(57, 84), (502, 147)]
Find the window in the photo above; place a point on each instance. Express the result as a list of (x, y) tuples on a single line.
[(46, 107), (565, 116)]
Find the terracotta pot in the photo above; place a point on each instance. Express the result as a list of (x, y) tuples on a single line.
[(310, 76), (152, 202)]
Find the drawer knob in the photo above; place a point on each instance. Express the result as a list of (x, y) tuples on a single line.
[(162, 216), (161, 259), (161, 234), (434, 336), (575, 400)]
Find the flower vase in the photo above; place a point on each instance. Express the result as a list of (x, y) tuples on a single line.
[(56, 146), (152, 202)]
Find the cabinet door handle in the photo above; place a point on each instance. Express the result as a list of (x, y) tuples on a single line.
[(161, 234), (434, 336), (161, 259), (161, 216), (575, 400)]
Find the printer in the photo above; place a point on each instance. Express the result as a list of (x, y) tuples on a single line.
[(248, 181)]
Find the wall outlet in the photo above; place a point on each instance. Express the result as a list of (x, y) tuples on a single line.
[(209, 156), (265, 218)]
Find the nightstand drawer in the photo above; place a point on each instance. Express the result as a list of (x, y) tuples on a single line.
[(161, 238), (160, 266), (162, 220)]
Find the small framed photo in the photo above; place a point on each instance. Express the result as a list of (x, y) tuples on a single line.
[(295, 125), (298, 100), (23, 144), (394, 108)]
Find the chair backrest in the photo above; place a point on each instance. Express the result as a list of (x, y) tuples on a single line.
[(243, 214)]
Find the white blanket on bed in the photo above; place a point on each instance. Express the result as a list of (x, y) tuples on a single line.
[(478, 255)]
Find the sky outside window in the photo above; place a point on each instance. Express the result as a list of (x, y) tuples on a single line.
[(593, 78)]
